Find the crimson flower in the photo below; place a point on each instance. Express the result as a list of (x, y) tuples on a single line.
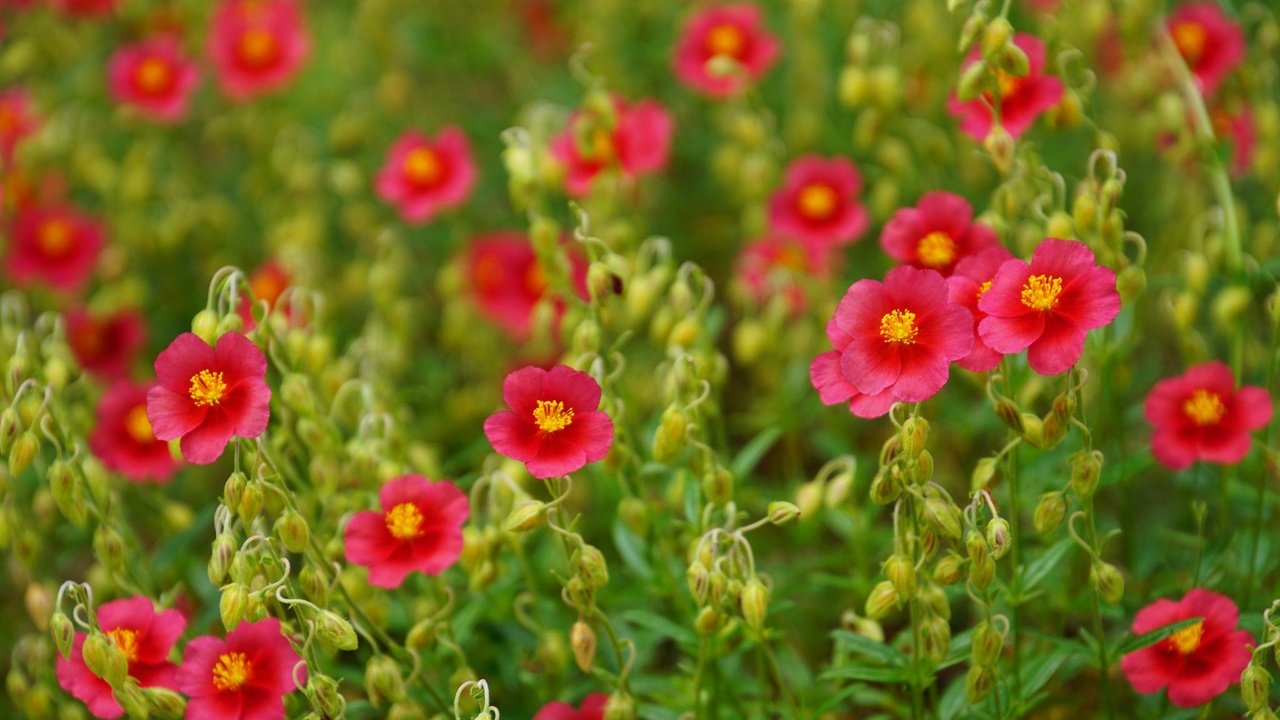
[(105, 345), (636, 140), (834, 388), (937, 233), (154, 76), (423, 176), (508, 281), (1196, 663), (207, 395), (1210, 43), (86, 8), (592, 708), (773, 265), (17, 120), (1022, 99), (1200, 415), (818, 204), (244, 677), (143, 635), (971, 280), (735, 32), (553, 425), (419, 528), (257, 46), (52, 244), (123, 439), (1047, 306)]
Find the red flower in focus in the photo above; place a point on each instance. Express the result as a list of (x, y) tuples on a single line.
[(1022, 99), (592, 708), (419, 528), (1196, 663), (154, 76), (105, 345), (1046, 307), (423, 176), (86, 8), (735, 32), (1200, 415), (834, 388), (1210, 43), (636, 140), (207, 395), (257, 46), (971, 280), (818, 204), (267, 283), (937, 233), (771, 266), (553, 426), (17, 121), (52, 244), (508, 280), (143, 635), (244, 677), (123, 440)]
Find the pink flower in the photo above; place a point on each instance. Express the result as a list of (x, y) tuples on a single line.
[(735, 32), (268, 283), (244, 677), (972, 279), (17, 121), (153, 76), (771, 266), (423, 176), (207, 395), (937, 233), (553, 425), (123, 439), (1022, 99), (105, 345), (1210, 43), (636, 141), (818, 204), (143, 635), (834, 388), (419, 529), (52, 244), (257, 46), (508, 281), (1200, 415), (1196, 663), (592, 708), (1046, 307)]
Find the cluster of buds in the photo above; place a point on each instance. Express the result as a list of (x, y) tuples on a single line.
[(722, 575), (1000, 61), (1043, 432), (831, 487), (1097, 220), (985, 543), (1255, 681)]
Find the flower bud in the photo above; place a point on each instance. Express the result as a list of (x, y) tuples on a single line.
[(935, 639), (1053, 430), (23, 452), (755, 603), (949, 568), (973, 28), (581, 595), (982, 572), (698, 580), (717, 485), (234, 489), (64, 633), (978, 683), (922, 468), (322, 691), (942, 515), (1049, 512), (132, 699), (915, 434), (67, 490), (987, 643), (995, 37), (407, 710), (313, 584), (224, 551), (591, 565), (250, 502), (620, 706), (884, 489), (972, 81), (669, 438), (1263, 714), (582, 639), (1086, 467), (1013, 60), (782, 513), (708, 620), (525, 516), (10, 424), (809, 499), (108, 546), (291, 528), (983, 473), (164, 703), (1009, 414), (1255, 687), (999, 537), (883, 599), (1060, 225), (383, 681), (902, 573), (1033, 430), (233, 604), (104, 659), (1108, 581), (205, 325), (1000, 145), (335, 631)]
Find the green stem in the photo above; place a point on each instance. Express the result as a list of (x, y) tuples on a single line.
[(1099, 632), (1015, 576)]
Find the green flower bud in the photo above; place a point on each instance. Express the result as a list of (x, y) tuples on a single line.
[(250, 502), (581, 595), (1263, 714), (1033, 430), (1255, 687), (1009, 414), (591, 565), (335, 631), (67, 490), (717, 485), (1060, 225), (902, 573), (1049, 512), (922, 468), (104, 659), (973, 80), (973, 28), (108, 546), (205, 325), (292, 530), (582, 639), (383, 681), (999, 537), (234, 489), (708, 620), (525, 516), (1086, 467), (620, 706), (883, 599), (23, 452), (915, 434), (407, 710), (949, 568), (1013, 60), (1053, 430), (164, 703), (999, 144), (322, 691), (1108, 581), (1085, 212), (978, 683), (313, 584), (983, 473), (64, 633), (782, 513), (995, 37), (755, 603), (10, 424), (941, 513), (670, 436), (884, 489), (132, 699), (224, 551), (1131, 282), (699, 581), (935, 639), (987, 643), (233, 604)]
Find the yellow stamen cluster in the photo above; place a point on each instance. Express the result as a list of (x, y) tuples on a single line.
[(54, 237), (153, 75), (232, 671), (422, 166), (1041, 292), (1187, 640), (817, 201), (1204, 408), (257, 47), (899, 326), (552, 416), (404, 521), (138, 425), (983, 288), (1191, 39), (726, 40), (126, 640), (207, 388), (936, 249)]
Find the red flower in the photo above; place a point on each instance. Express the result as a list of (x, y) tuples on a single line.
[(508, 280), (52, 244), (123, 440), (771, 266), (553, 426), (154, 76), (17, 121), (268, 283), (207, 395), (257, 46), (1241, 129), (423, 176), (937, 233), (834, 388), (735, 32), (1198, 662), (817, 203), (636, 140), (105, 345), (244, 677), (592, 708), (86, 8), (419, 528), (1022, 99), (1210, 43), (1046, 307), (1200, 415), (143, 635), (972, 279)]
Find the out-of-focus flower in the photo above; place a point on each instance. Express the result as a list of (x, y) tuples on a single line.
[(773, 265), (553, 425), (937, 233), (1200, 415), (143, 635), (423, 176), (818, 203), (1241, 131), (508, 281), (123, 440), (207, 395), (105, 345), (268, 283), (154, 76), (257, 46), (52, 244), (592, 708), (971, 280), (244, 677), (548, 37), (1196, 663), (418, 529), (1048, 305), (1210, 43), (17, 120), (728, 33), (636, 141), (88, 9), (1022, 99)]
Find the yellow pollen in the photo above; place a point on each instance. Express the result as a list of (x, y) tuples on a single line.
[(207, 388), (232, 671), (404, 521), (551, 416), (936, 249), (1190, 38), (54, 237), (422, 166), (153, 75), (899, 326), (602, 146), (983, 288), (817, 201), (126, 640), (1187, 640), (1204, 408), (138, 425), (1041, 292), (726, 40), (257, 48)]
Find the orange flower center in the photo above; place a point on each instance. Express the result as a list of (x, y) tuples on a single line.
[(422, 166), (232, 671), (257, 48), (8, 120), (899, 326), (126, 640), (535, 279), (1041, 292), (54, 237), (207, 388), (138, 425), (602, 145), (793, 257), (153, 75), (727, 40), (404, 521), (817, 201), (1187, 640), (1204, 408), (983, 288), (936, 249), (551, 416), (1191, 39)]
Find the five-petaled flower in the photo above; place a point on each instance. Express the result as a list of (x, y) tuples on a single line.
[(418, 529), (553, 425), (966, 286), (1021, 98), (1209, 42), (423, 176), (634, 138), (1201, 415), (105, 345), (207, 395), (937, 233), (774, 266), (123, 439), (733, 33), (244, 677), (257, 46), (591, 708), (52, 244), (154, 76), (508, 281), (818, 203)]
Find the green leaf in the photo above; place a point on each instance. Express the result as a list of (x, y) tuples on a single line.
[(660, 625), (867, 673), (754, 450), (1040, 568), (631, 548), (1137, 642), (871, 648)]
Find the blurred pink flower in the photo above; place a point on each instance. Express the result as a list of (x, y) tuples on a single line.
[(257, 46), (123, 440), (1022, 99), (1210, 43), (105, 345), (423, 176), (508, 281), (52, 244), (636, 140), (1201, 415), (154, 76), (735, 32), (818, 203), (937, 233)]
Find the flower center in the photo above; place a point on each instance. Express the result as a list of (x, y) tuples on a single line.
[(153, 76), (207, 388), (899, 326), (817, 201), (726, 39), (404, 521), (54, 237), (983, 288), (551, 416), (257, 48), (936, 249), (232, 671), (126, 640), (602, 145), (1191, 39), (1187, 640), (422, 166), (138, 425), (1204, 408), (1041, 292)]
